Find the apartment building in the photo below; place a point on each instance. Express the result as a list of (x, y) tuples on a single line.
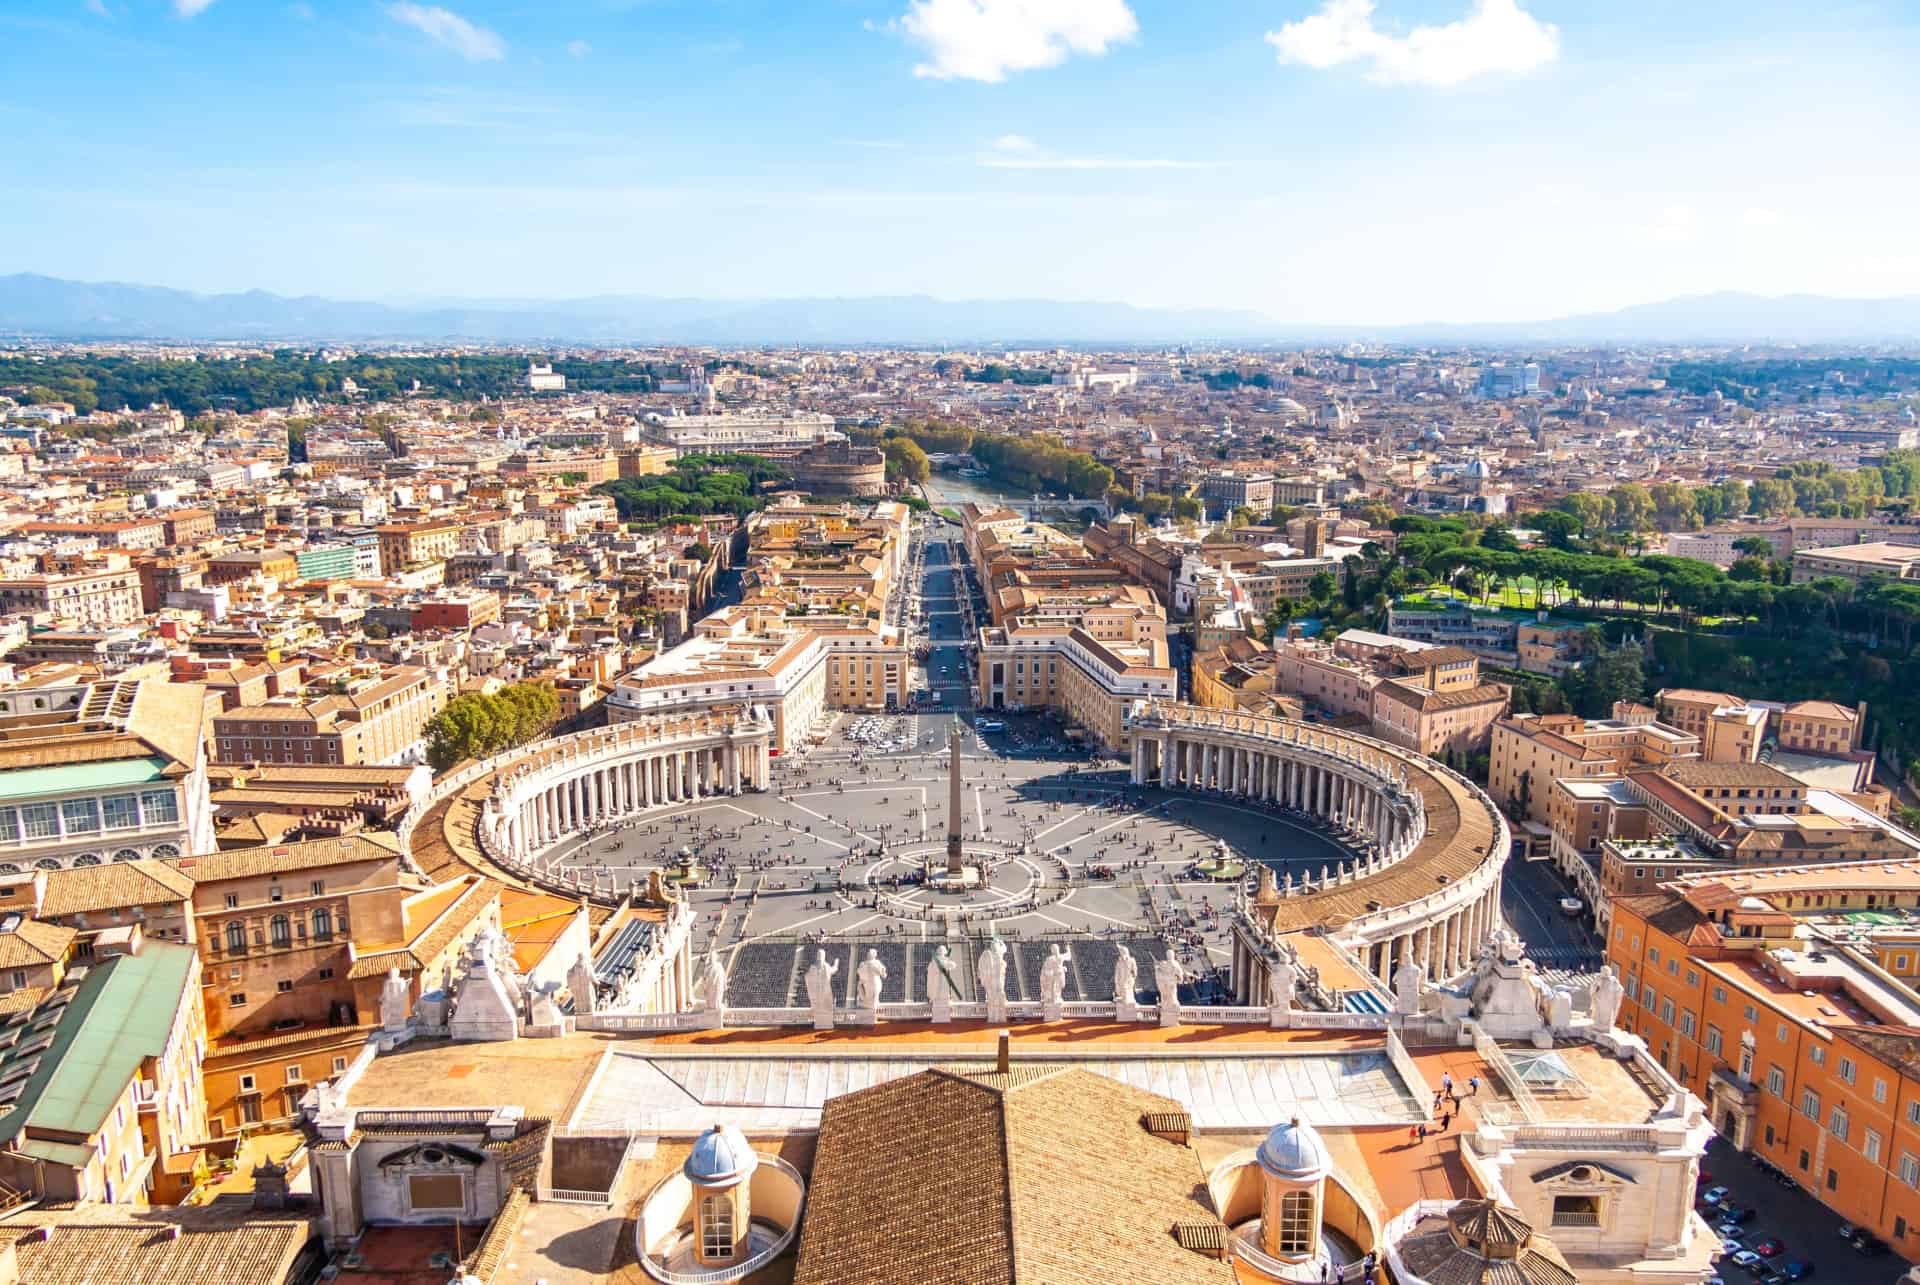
[(100, 1089), (1089, 669), (377, 719), (1771, 996), (1420, 696), (405, 545), (1225, 492), (92, 591), (1858, 562), (103, 772), (796, 667), (1529, 752)]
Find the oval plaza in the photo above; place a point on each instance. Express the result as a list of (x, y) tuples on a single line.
[(1390, 1088)]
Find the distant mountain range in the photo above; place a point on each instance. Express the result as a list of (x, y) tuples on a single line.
[(49, 307)]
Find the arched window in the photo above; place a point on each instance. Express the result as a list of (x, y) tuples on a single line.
[(323, 923), (237, 938), (281, 931), (716, 1226), (1296, 1222)]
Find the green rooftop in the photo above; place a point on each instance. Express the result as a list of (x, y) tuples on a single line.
[(118, 1015), (108, 774)]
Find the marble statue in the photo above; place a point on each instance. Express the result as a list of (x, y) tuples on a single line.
[(580, 983), (1604, 1007), (867, 980), (712, 987), (1053, 982), (819, 978), (393, 1002), (1560, 1011), (1126, 982), (991, 971), (1407, 981), (1166, 980), (940, 985), (1282, 978)]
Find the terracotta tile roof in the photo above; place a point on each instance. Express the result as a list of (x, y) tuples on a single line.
[(435, 938), (242, 863), (113, 886), (1042, 1178), (118, 1245), (34, 942)]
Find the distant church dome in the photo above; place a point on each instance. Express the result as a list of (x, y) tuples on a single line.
[(720, 1158), (1293, 1151), (1478, 469)]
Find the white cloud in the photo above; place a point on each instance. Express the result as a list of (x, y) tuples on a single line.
[(1018, 152), (1759, 216), (986, 39), (1495, 36), (191, 8), (579, 48), (1677, 223), (445, 27)]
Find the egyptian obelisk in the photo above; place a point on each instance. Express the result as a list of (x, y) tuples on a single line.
[(954, 865)]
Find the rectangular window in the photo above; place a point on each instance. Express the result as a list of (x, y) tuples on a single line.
[(283, 986), (1838, 1123), (1818, 1055), (83, 815), (1879, 1090), (1870, 1146), (1686, 1024), (1719, 994), (1909, 1169), (1713, 1040), (1810, 1104), (122, 812), (237, 1000), (339, 1066), (159, 805), (1776, 1082), (1847, 1071), (1780, 1033), (1750, 1013), (42, 820)]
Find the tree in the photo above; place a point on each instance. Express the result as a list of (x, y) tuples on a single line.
[(1614, 674), (1186, 508), (1322, 587), (477, 724), (906, 462)]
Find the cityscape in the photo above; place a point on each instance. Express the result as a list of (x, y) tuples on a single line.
[(923, 701)]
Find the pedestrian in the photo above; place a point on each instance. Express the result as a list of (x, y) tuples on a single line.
[(1473, 1086), (1444, 1118), (1420, 1131)]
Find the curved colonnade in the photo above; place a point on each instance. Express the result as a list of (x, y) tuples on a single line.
[(1430, 846), (574, 784)]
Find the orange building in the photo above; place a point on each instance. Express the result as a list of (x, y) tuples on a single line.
[(1773, 998)]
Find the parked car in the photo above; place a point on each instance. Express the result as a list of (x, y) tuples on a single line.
[(1747, 1261), (1796, 1269), (1714, 1195), (1736, 1214), (1869, 1245), (1848, 1231), (1771, 1247)]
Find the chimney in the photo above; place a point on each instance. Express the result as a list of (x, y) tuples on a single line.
[(1859, 724), (1003, 1061)]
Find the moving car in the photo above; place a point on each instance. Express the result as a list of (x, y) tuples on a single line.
[(1571, 905)]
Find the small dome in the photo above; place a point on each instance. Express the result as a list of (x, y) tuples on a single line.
[(1479, 469), (1294, 1150), (720, 1158)]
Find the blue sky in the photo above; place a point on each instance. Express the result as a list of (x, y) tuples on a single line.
[(1312, 160)]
